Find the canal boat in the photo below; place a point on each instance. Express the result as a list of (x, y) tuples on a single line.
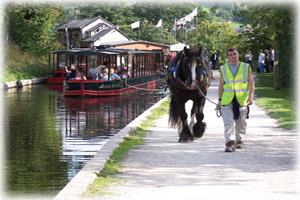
[(135, 70)]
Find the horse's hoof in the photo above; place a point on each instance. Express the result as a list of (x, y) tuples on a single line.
[(185, 140), (199, 129), (198, 135)]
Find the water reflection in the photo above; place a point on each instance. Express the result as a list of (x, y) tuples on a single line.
[(49, 137)]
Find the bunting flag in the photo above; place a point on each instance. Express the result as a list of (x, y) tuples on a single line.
[(188, 18), (159, 24), (194, 13), (135, 24)]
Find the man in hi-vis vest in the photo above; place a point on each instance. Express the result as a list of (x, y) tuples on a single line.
[(236, 90)]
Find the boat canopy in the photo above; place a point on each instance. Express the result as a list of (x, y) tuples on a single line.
[(109, 51)]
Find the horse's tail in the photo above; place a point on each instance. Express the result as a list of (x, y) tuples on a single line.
[(173, 113)]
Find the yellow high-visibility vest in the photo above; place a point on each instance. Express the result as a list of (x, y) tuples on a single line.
[(235, 86)]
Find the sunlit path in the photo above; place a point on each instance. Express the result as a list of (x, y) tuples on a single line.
[(164, 168)]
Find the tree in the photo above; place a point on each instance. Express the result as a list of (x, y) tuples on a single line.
[(273, 26), (217, 36), (32, 27), (147, 13)]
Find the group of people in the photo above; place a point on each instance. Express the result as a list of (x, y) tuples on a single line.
[(102, 72), (266, 59), (73, 73)]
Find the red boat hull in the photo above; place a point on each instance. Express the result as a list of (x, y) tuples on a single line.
[(58, 77), (55, 80), (111, 92)]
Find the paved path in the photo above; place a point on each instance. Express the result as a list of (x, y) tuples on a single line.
[(165, 169)]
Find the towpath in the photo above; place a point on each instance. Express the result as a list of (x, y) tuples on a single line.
[(162, 168)]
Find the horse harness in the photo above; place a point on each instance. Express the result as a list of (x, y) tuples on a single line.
[(203, 71)]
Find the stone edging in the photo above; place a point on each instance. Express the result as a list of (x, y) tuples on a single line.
[(79, 184), (21, 83)]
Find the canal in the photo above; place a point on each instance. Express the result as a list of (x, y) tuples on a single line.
[(49, 137)]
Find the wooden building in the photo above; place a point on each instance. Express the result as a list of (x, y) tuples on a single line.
[(143, 46)]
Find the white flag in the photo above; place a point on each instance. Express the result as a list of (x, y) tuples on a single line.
[(194, 13), (181, 21), (135, 24), (187, 18), (191, 16), (159, 24)]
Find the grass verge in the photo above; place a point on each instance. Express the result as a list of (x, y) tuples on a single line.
[(20, 65), (107, 176), (279, 104)]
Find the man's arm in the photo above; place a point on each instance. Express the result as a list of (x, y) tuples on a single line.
[(220, 91), (251, 88)]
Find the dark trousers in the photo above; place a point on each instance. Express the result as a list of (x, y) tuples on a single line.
[(213, 63)]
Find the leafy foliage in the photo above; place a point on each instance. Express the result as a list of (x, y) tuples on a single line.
[(273, 26), (216, 37), (148, 14), (32, 27)]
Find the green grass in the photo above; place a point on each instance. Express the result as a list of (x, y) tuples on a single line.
[(107, 176), (21, 65), (279, 104)]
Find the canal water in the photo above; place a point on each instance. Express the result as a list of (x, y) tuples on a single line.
[(49, 137)]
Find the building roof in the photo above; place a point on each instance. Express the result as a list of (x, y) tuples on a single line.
[(97, 35), (80, 23), (95, 27), (77, 24)]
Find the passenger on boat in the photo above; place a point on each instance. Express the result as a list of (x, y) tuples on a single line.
[(96, 73), (61, 65), (81, 75), (113, 75), (99, 71), (104, 73), (71, 73), (92, 73), (124, 74)]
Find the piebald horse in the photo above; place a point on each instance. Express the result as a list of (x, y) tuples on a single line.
[(188, 77)]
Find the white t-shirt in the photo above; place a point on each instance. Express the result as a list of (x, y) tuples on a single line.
[(261, 58), (272, 57)]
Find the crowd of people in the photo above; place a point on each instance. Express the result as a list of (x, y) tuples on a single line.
[(74, 73), (266, 60), (102, 72)]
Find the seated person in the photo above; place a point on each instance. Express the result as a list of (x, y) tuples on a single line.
[(62, 66), (113, 75), (71, 74), (124, 74), (93, 73), (104, 74), (81, 75)]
